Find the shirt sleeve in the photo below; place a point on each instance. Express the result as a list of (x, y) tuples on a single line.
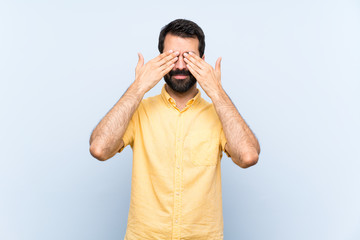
[(129, 134), (223, 142)]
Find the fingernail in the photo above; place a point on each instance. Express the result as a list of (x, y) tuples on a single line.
[(176, 52), (170, 51), (185, 54)]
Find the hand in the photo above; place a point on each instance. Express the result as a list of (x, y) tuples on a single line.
[(148, 75), (208, 77)]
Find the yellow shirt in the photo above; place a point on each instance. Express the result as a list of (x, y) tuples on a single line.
[(176, 177)]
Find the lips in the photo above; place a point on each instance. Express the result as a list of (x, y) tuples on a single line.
[(180, 76)]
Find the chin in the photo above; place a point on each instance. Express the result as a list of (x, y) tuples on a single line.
[(180, 85)]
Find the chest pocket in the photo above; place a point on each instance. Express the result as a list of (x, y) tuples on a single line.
[(204, 148)]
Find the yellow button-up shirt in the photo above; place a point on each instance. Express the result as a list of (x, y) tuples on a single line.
[(176, 177)]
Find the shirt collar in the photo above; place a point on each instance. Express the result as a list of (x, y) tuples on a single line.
[(171, 102)]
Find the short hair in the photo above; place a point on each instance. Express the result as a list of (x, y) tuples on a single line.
[(185, 29)]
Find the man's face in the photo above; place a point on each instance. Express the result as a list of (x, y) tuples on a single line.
[(179, 78)]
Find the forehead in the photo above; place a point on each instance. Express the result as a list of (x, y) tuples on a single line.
[(181, 44)]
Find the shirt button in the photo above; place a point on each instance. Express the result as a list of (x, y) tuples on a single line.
[(177, 193), (176, 221), (178, 166)]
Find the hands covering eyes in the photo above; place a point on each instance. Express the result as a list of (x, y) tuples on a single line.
[(148, 75), (208, 77)]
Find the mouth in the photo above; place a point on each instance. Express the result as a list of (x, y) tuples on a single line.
[(180, 76)]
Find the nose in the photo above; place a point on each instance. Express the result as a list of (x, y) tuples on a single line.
[(180, 63)]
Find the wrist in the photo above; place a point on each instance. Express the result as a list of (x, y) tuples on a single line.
[(217, 93), (138, 89)]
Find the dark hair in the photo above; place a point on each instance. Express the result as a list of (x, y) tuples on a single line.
[(185, 29)]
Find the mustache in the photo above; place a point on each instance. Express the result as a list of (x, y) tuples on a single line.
[(179, 72)]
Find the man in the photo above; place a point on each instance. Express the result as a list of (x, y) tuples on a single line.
[(177, 140)]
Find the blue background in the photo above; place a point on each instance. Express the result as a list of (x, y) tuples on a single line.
[(291, 67)]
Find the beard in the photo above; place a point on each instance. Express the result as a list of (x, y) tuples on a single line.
[(180, 85)]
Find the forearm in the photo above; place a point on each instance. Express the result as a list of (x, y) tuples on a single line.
[(242, 144), (106, 139)]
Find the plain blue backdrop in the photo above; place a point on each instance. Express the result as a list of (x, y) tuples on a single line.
[(292, 68)]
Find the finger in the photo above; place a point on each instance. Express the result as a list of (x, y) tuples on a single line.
[(218, 65), (171, 62), (193, 65), (193, 72), (140, 62), (162, 55), (195, 59), (168, 58), (167, 69)]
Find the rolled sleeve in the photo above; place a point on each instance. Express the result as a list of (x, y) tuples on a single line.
[(223, 142), (129, 134)]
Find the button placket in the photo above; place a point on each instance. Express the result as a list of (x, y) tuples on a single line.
[(178, 177)]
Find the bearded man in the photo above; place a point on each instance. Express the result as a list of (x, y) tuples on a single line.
[(177, 139)]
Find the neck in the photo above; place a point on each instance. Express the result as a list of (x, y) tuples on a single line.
[(182, 98)]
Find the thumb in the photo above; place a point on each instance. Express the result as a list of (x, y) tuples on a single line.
[(218, 65), (140, 62)]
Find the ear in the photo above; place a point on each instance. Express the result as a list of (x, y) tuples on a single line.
[(203, 57)]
